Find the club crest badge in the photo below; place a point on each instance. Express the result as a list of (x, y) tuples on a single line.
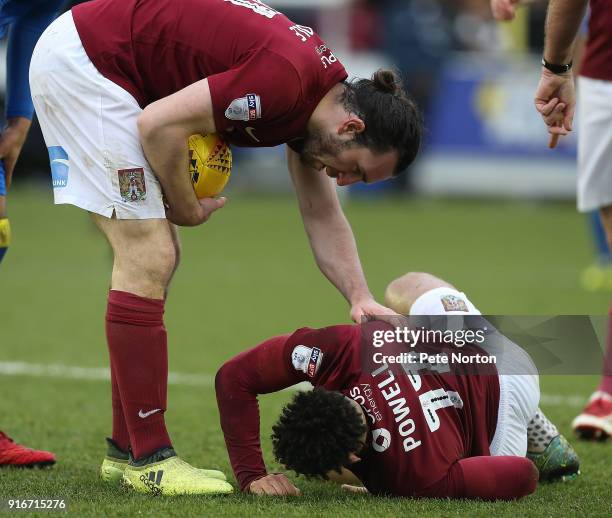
[(247, 108), (132, 184), (453, 303)]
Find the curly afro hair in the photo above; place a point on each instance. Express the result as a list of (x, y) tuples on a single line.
[(316, 432)]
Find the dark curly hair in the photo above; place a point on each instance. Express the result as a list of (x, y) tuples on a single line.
[(316, 432), (392, 119)]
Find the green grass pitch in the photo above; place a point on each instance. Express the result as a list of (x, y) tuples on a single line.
[(248, 274)]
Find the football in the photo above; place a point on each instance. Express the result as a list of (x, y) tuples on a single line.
[(210, 164)]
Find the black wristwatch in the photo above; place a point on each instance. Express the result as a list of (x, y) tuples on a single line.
[(557, 69)]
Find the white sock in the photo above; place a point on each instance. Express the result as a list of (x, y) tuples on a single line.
[(540, 431)]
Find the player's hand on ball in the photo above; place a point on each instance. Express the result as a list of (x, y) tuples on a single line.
[(205, 210), (210, 205), (369, 309), (275, 484)]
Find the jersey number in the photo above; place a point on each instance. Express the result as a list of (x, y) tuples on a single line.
[(256, 6), (435, 400)]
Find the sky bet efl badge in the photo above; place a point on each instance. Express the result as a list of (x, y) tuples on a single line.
[(307, 359), (245, 109)]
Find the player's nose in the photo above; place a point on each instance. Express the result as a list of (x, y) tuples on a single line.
[(344, 179)]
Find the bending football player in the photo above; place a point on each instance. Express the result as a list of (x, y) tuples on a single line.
[(119, 87), (431, 435)]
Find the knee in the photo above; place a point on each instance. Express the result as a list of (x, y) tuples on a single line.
[(145, 271), (403, 291), (159, 266)]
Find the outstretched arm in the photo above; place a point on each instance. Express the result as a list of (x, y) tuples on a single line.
[(260, 370), (331, 237), (273, 365)]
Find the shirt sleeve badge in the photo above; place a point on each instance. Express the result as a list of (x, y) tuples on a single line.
[(247, 108), (453, 303), (307, 359)]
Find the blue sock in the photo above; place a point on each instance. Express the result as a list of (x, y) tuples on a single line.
[(601, 243), (2, 252)]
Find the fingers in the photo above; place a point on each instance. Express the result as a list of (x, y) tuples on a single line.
[(569, 117), (210, 205), (553, 115), (558, 117), (503, 10), (553, 140), (287, 487), (546, 107), (274, 485), (354, 489)]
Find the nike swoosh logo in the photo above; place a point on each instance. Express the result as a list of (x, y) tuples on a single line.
[(251, 132), (143, 415)]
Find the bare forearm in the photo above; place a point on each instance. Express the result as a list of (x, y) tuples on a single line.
[(335, 251), (166, 152), (563, 20), (164, 128)]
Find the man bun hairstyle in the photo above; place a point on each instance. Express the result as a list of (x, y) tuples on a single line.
[(316, 432), (392, 119), (387, 82)]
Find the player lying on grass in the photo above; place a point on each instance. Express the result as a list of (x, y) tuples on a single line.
[(428, 435)]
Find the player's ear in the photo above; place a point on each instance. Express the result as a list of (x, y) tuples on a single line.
[(351, 126)]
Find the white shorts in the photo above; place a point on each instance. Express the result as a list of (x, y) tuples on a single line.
[(519, 389), (90, 128), (594, 144)]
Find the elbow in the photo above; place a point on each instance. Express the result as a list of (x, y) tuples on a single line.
[(225, 378), (221, 378), (146, 125)]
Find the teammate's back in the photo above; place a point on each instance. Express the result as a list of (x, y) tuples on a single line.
[(153, 48)]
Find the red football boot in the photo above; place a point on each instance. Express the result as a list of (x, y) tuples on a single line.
[(595, 422), (15, 455)]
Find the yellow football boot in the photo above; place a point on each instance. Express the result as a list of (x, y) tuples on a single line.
[(114, 463), (163, 473)]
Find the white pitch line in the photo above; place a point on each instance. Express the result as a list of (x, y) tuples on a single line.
[(40, 370), (563, 400)]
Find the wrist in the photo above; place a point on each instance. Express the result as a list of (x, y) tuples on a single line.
[(247, 485), (360, 296), (557, 68)]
